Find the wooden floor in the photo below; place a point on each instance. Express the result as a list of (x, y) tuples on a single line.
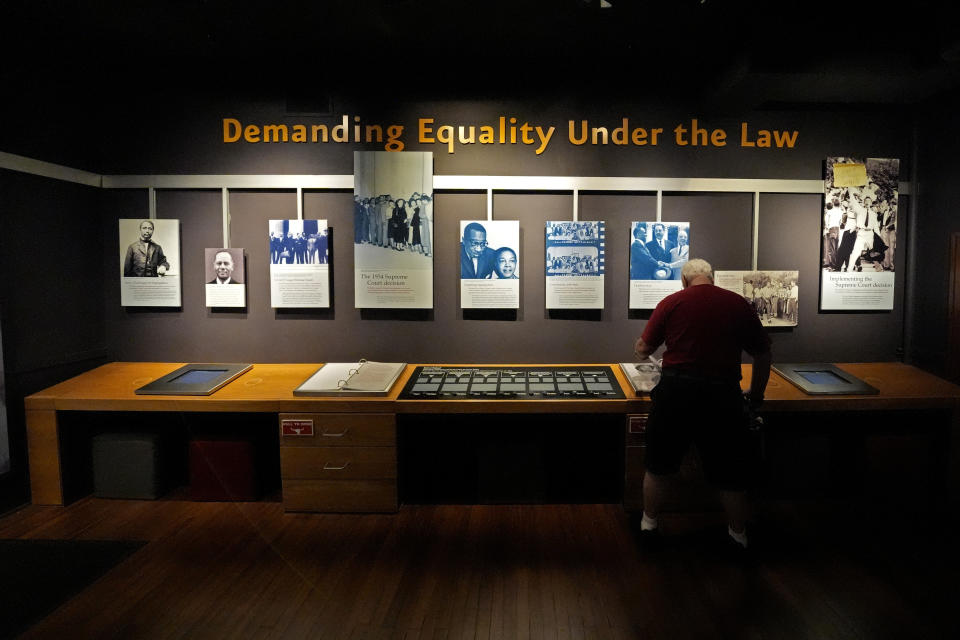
[(249, 570)]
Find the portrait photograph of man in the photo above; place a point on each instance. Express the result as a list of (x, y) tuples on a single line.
[(144, 257), (149, 251), (476, 256), (224, 266), (224, 273)]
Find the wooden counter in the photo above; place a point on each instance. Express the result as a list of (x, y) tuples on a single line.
[(268, 388)]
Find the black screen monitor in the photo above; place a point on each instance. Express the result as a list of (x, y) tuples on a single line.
[(819, 378), (194, 380)]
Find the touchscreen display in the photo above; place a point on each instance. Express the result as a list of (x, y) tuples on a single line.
[(198, 376), (821, 377)]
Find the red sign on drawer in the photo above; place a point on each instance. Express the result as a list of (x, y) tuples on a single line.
[(637, 423), (296, 427)]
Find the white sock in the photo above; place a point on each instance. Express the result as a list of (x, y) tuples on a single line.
[(739, 537), (647, 523)]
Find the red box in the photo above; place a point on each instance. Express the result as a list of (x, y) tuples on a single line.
[(222, 470)]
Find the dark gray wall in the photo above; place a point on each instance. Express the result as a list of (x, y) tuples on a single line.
[(721, 232), (51, 297), (938, 206)]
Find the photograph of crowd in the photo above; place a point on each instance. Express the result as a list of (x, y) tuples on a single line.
[(774, 295), (298, 242), (573, 232), (574, 248), (860, 219), (395, 223), (573, 261)]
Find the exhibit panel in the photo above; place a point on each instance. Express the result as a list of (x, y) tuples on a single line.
[(773, 295), (575, 264), (299, 264), (393, 230), (859, 235), (150, 274), (658, 251), (490, 264), (225, 277)]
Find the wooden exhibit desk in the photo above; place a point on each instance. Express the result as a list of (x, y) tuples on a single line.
[(366, 427)]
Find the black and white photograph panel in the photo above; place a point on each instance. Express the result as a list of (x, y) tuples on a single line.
[(149, 248), (298, 242), (773, 295), (149, 251), (858, 240), (393, 229), (860, 214), (223, 266), (392, 195), (658, 250)]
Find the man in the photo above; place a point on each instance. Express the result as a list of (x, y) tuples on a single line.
[(289, 248), (476, 258), (145, 257), (300, 248), (276, 246), (793, 300), (831, 237), (642, 264), (322, 247), (223, 267), (698, 400), (660, 247), (866, 226), (888, 233), (769, 300)]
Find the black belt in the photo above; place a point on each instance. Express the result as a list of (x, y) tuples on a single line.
[(693, 377)]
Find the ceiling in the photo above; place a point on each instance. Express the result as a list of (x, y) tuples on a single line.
[(721, 52)]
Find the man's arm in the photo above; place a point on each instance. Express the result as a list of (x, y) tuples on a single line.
[(642, 350), (162, 259), (128, 263), (759, 376)]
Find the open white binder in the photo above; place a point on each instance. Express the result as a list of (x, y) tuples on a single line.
[(643, 376), (363, 378)]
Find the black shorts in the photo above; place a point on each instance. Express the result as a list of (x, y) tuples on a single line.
[(709, 415)]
